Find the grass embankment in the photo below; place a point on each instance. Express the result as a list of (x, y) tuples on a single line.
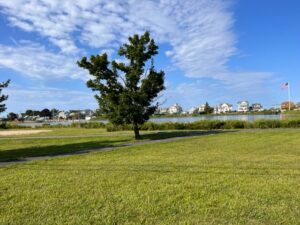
[(227, 178)]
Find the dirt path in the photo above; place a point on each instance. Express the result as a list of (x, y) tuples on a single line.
[(63, 136), (6, 133)]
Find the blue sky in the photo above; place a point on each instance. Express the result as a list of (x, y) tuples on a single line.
[(211, 50)]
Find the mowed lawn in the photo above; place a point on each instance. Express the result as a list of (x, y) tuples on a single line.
[(71, 140), (58, 141), (226, 178)]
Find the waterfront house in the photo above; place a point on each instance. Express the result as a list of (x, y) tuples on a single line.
[(222, 108), (175, 109), (243, 106), (286, 105), (193, 110), (63, 115), (201, 108), (162, 111), (256, 107)]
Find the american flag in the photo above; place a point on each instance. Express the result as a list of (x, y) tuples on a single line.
[(285, 86)]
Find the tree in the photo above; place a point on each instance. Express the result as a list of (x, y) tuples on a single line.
[(54, 112), (12, 116), (3, 97), (208, 109), (127, 90), (45, 113), (29, 112)]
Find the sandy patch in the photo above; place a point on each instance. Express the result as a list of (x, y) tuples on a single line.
[(21, 132)]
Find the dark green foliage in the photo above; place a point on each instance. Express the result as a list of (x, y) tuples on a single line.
[(46, 113), (126, 90), (208, 109), (12, 116), (3, 97), (30, 112), (54, 112)]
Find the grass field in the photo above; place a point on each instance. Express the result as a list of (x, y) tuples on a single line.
[(70, 140), (226, 178)]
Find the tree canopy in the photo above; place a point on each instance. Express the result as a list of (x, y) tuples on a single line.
[(127, 89), (208, 109), (3, 97), (46, 113)]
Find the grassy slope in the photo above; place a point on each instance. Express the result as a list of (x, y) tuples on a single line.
[(233, 178)]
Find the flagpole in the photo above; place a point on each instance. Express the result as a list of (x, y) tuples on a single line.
[(289, 93)]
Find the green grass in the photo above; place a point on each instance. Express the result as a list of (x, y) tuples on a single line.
[(69, 140), (226, 178)]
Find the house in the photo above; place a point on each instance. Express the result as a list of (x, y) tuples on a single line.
[(175, 109), (297, 106), (87, 112), (223, 108), (63, 115), (243, 106), (201, 108), (256, 107), (287, 105), (162, 111), (193, 110)]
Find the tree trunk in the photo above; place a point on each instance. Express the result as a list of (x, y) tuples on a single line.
[(136, 131)]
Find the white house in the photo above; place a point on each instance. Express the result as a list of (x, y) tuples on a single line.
[(243, 106), (162, 110), (193, 110), (201, 108), (174, 109), (87, 112), (223, 108), (257, 107), (63, 115)]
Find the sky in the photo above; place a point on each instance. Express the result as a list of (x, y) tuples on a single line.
[(211, 50)]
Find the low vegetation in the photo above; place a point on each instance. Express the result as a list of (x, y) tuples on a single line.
[(198, 125), (247, 177), (213, 125)]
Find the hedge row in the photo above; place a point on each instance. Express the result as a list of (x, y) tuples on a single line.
[(198, 125)]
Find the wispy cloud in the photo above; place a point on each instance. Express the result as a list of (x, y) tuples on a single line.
[(199, 31), (34, 61), (48, 97)]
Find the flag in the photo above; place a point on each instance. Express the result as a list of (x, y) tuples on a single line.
[(285, 86)]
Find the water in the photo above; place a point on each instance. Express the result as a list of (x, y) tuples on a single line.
[(170, 119), (215, 117)]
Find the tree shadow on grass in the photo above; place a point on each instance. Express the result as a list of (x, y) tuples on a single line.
[(52, 150), (75, 148)]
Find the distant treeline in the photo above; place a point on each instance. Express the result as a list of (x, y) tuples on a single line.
[(198, 125)]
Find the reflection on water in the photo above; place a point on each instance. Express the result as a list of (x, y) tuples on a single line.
[(171, 119)]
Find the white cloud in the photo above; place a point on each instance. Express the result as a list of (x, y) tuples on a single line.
[(199, 32), (47, 97), (35, 61)]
